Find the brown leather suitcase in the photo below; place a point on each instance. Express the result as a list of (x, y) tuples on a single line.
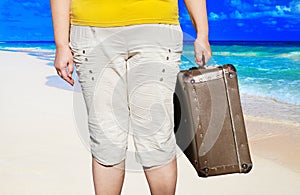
[(209, 123)]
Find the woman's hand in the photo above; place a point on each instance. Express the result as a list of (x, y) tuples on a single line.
[(198, 14), (61, 23), (202, 50), (64, 64)]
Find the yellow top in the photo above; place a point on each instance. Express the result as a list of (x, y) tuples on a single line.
[(109, 13)]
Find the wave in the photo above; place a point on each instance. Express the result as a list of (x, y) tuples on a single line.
[(28, 49), (242, 54), (295, 55), (284, 98), (281, 90)]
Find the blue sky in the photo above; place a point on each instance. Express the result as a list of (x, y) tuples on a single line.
[(251, 19), (228, 20), (255, 19)]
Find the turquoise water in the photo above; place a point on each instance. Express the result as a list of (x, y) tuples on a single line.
[(266, 69)]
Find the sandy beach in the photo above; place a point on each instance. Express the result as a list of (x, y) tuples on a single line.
[(41, 151)]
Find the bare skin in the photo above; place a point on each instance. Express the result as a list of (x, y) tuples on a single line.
[(167, 174), (63, 62), (108, 180), (198, 13)]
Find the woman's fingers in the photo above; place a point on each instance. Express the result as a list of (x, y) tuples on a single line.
[(200, 59), (64, 64), (202, 51), (70, 68), (66, 74), (66, 77)]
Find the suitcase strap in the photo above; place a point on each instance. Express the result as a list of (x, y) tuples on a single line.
[(231, 114)]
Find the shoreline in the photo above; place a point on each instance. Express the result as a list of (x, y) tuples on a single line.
[(42, 149), (40, 52)]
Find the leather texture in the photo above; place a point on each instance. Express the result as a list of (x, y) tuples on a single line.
[(209, 123)]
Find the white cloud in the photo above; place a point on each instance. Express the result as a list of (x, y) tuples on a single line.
[(236, 15), (213, 16), (277, 11), (295, 6), (264, 8), (235, 3), (241, 5), (281, 10), (223, 16)]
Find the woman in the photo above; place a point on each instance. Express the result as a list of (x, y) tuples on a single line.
[(127, 56)]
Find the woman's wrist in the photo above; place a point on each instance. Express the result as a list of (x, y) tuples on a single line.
[(62, 45), (202, 36)]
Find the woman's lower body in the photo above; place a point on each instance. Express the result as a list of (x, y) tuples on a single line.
[(128, 76)]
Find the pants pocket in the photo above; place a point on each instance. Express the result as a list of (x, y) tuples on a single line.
[(82, 42)]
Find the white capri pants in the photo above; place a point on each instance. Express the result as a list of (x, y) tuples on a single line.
[(127, 75)]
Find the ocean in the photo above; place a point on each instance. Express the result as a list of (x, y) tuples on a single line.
[(265, 69)]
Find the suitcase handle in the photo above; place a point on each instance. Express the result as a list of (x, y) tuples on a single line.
[(194, 67), (204, 66), (200, 67)]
